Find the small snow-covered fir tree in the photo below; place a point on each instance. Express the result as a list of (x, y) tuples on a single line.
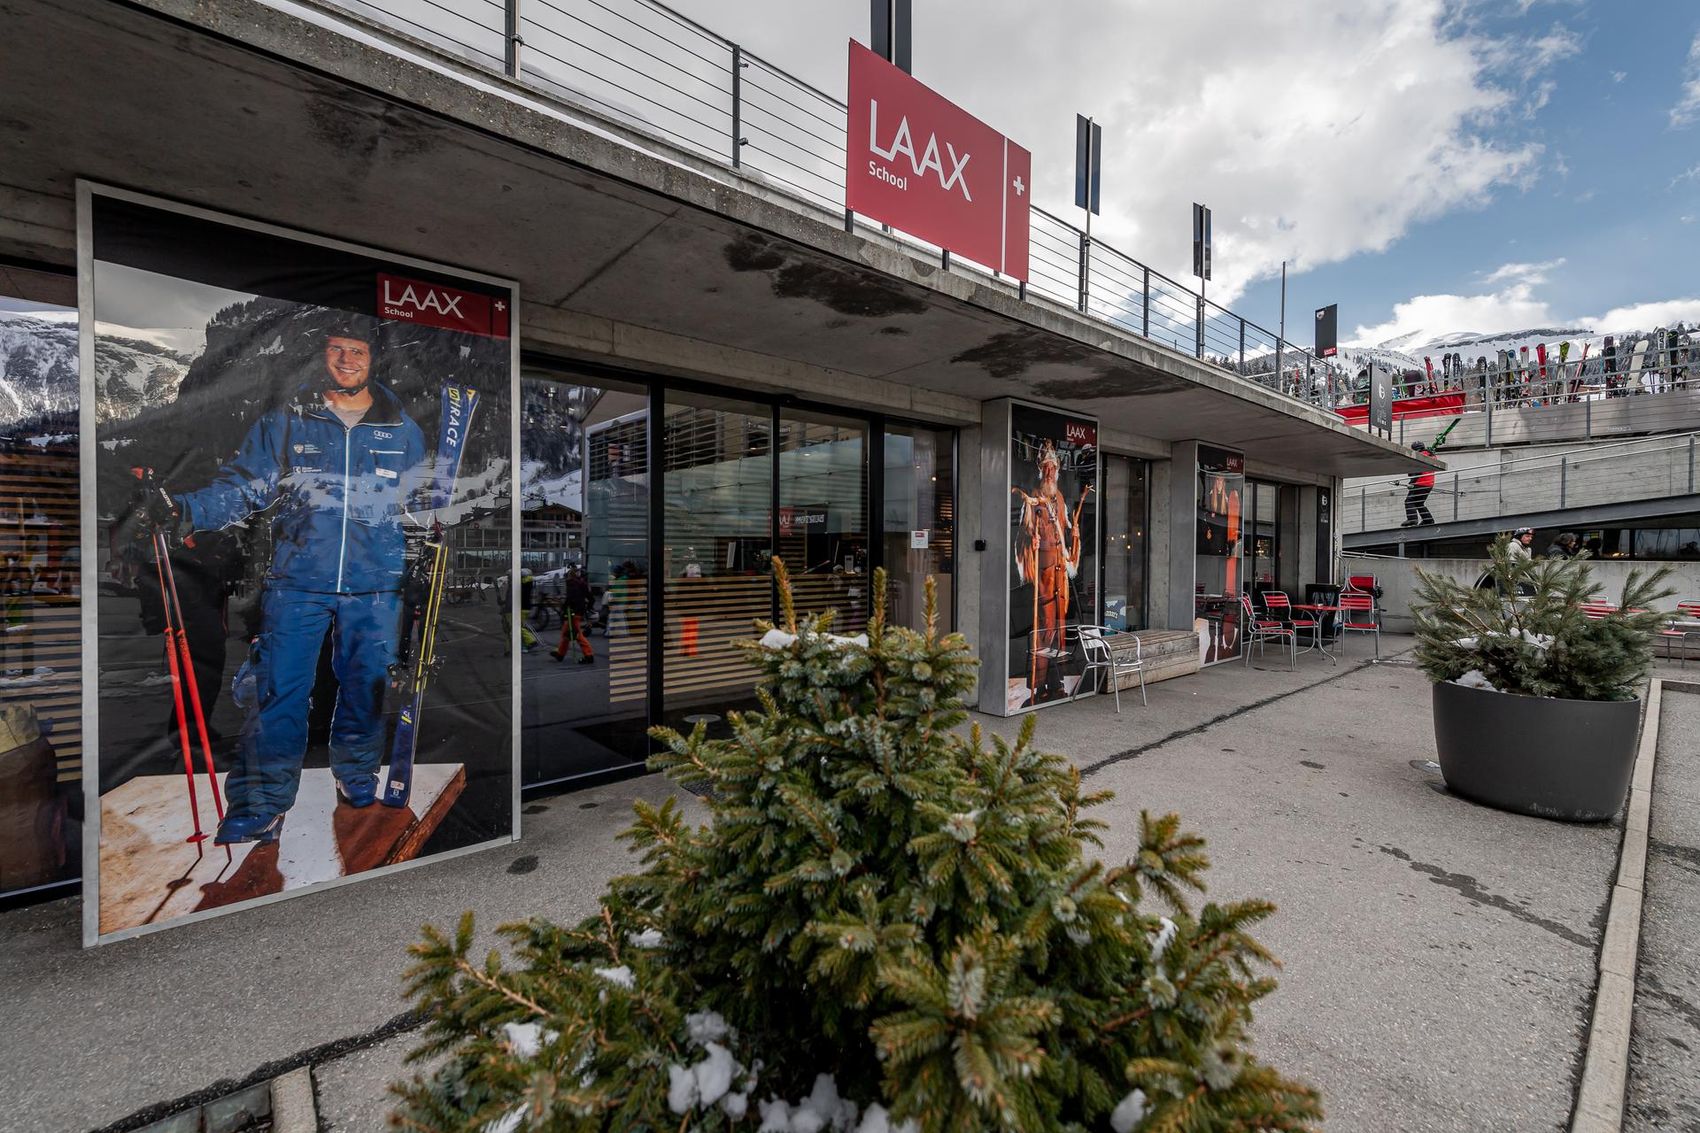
[(889, 923), (1526, 630)]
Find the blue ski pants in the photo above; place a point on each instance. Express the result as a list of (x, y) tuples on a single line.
[(283, 664)]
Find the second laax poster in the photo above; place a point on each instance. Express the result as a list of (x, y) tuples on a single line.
[(299, 454), (1053, 472)]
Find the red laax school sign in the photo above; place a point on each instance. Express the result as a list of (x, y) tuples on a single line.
[(438, 305), (920, 163)]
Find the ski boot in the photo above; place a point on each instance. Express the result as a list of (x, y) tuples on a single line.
[(261, 828), (358, 791)]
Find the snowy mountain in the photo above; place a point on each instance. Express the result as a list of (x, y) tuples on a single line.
[(38, 371), (1406, 352), (38, 367)]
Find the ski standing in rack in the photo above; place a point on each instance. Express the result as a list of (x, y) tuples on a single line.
[(422, 599)]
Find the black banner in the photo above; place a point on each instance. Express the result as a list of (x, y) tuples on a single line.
[(1328, 331)]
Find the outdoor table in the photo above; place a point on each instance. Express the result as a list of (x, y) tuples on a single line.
[(1317, 639)]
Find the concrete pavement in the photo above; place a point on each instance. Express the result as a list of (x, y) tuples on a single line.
[(1664, 1066)]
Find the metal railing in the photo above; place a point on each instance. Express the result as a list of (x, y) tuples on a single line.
[(660, 73), (1646, 468), (1577, 400)]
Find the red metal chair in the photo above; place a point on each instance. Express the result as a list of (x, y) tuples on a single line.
[(1596, 611), (1277, 603), (1261, 630), (1358, 615)]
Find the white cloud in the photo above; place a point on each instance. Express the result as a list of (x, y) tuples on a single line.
[(1619, 76), (1425, 317), (1645, 316), (1692, 173), (1687, 108), (1316, 129), (1523, 273)]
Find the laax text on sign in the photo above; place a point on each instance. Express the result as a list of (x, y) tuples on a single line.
[(433, 299), (903, 142)]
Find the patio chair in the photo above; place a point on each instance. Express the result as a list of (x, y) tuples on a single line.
[(1260, 631), (1358, 615), (1277, 603), (1102, 658), (1597, 611)]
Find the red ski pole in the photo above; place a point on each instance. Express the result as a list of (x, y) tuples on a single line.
[(159, 557), (188, 668)]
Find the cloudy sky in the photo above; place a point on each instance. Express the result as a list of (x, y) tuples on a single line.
[(1438, 165)]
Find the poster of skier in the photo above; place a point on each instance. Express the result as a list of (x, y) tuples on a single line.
[(1053, 463), (297, 468)]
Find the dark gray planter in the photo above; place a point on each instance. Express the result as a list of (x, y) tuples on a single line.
[(1565, 759)]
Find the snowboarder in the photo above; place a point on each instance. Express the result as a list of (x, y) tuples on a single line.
[(335, 466), (575, 618), (1417, 492)]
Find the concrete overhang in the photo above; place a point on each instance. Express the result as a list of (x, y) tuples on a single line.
[(307, 119)]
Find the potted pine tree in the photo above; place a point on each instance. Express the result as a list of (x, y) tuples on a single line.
[(888, 925), (1535, 697)]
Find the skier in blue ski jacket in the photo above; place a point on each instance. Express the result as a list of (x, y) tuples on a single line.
[(337, 466)]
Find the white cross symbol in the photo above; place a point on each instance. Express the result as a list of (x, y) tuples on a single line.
[(501, 306), (1019, 187)]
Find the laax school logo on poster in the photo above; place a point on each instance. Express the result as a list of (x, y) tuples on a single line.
[(438, 305)]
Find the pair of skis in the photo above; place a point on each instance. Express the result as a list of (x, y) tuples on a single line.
[(185, 688), (422, 599)]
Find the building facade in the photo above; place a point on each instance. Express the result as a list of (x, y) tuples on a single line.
[(711, 372)]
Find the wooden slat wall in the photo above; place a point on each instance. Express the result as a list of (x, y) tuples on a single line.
[(39, 525)]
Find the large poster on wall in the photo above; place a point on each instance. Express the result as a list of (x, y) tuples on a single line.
[(292, 449), (1220, 534), (1053, 463)]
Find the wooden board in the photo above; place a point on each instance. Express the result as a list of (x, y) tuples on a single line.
[(149, 873)]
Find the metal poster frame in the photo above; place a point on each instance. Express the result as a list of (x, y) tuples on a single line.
[(89, 536), (997, 448)]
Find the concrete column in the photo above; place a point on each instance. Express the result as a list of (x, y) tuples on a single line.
[(1157, 535), (970, 521), (1182, 505), (992, 503)]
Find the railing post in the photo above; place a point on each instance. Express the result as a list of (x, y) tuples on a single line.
[(738, 66), (1691, 464), (1085, 270), (1488, 443), (1456, 493), (510, 59), (1587, 417), (1198, 307), (1363, 509), (1145, 322), (1242, 348), (1563, 475)]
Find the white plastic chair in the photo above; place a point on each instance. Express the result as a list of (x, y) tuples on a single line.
[(1102, 658)]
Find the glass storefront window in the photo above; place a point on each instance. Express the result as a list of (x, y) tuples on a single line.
[(1264, 532), (919, 534), (1125, 517), (717, 488), (584, 515), (41, 740), (823, 515)]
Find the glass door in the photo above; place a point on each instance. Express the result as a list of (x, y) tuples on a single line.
[(584, 515), (1125, 504), (717, 493), (822, 534), (919, 535), (1264, 531)]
